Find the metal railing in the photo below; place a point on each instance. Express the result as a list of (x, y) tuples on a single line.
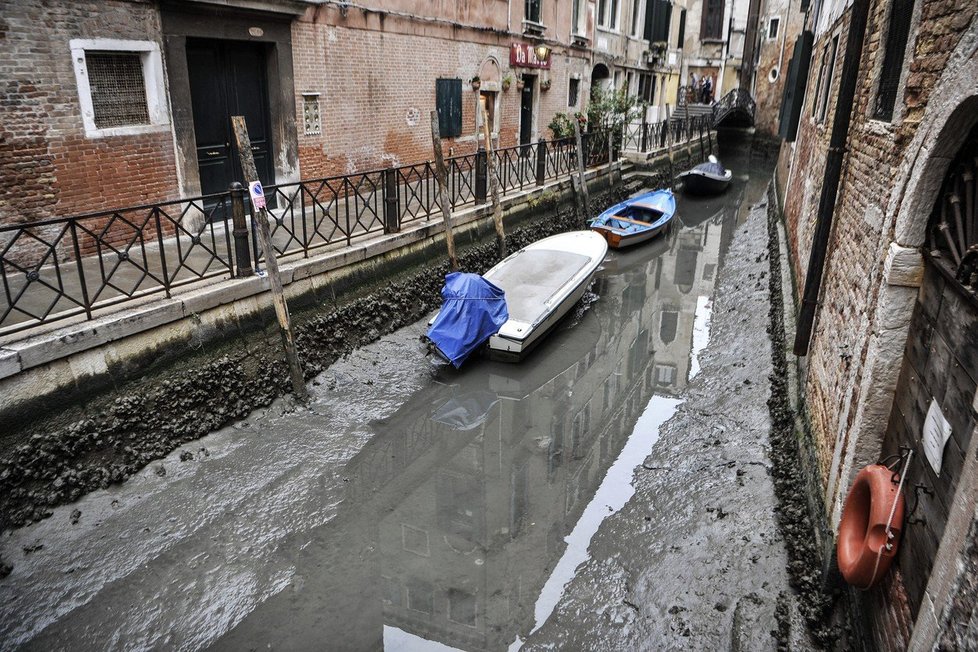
[(736, 100), (66, 267)]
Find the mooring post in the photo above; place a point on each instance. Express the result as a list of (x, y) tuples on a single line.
[(586, 203), (645, 131), (481, 176), (242, 248), (611, 172), (672, 171), (391, 221), (493, 173), (271, 262), (541, 161), (441, 174)]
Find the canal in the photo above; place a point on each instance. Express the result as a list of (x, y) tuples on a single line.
[(407, 508)]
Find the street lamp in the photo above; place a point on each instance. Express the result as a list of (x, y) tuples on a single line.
[(542, 51)]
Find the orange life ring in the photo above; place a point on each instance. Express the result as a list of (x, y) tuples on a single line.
[(864, 549)]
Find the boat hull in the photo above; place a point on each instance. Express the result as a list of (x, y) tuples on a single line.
[(618, 240), (698, 183), (517, 338)]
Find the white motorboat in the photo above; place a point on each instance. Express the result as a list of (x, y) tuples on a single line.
[(541, 283), (509, 309)]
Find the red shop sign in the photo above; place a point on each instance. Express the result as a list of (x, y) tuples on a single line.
[(522, 55)]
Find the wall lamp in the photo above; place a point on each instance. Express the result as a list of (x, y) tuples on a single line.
[(542, 51)]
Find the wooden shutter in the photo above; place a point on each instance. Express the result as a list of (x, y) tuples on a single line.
[(682, 29), (448, 101), (661, 11), (712, 25), (901, 12), (794, 88)]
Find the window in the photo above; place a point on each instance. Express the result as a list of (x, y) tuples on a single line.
[(901, 13), (420, 596), (772, 28), (826, 92), (630, 83), (576, 18), (461, 607), (533, 10), (573, 91), (665, 374), (311, 123), (712, 25), (120, 86), (448, 101), (682, 30), (637, 22), (608, 14), (657, 24)]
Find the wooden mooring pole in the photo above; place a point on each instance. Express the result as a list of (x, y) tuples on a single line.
[(271, 263), (497, 210), (441, 175), (582, 182)]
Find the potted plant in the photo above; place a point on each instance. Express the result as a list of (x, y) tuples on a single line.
[(520, 83), (476, 83), (545, 85), (506, 82)]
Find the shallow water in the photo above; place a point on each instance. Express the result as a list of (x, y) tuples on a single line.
[(404, 510)]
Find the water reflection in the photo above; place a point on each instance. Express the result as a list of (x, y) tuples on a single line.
[(470, 508)]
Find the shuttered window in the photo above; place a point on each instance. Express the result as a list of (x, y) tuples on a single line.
[(712, 25), (657, 22), (901, 12), (794, 88), (448, 101)]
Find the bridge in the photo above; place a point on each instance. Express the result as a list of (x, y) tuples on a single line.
[(735, 109)]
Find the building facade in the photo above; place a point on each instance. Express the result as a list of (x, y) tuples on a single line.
[(891, 365), (127, 102)]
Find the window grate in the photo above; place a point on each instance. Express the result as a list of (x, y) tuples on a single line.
[(118, 89), (312, 125)]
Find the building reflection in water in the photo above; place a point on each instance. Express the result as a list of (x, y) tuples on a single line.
[(456, 513)]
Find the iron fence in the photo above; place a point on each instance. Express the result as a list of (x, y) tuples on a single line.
[(60, 268)]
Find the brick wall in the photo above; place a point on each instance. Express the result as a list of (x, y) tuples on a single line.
[(377, 115), (48, 166), (859, 239)]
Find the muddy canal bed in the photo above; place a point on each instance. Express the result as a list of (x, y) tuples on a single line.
[(407, 507)]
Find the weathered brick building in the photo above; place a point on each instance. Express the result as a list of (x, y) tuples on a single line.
[(125, 102), (119, 102), (892, 361)]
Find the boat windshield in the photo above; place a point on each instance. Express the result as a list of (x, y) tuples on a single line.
[(532, 278)]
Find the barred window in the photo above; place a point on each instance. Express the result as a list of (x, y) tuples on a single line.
[(120, 86), (118, 89)]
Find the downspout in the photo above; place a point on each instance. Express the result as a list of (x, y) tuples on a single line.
[(833, 174)]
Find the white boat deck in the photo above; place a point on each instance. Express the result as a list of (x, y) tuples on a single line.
[(533, 278)]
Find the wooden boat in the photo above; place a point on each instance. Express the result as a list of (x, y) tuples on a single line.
[(709, 178), (636, 220), (540, 283)]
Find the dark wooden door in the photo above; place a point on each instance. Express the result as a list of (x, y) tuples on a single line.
[(526, 110), (228, 78)]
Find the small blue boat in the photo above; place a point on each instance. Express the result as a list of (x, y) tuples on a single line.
[(637, 219)]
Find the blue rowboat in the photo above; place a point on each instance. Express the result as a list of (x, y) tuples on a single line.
[(637, 219)]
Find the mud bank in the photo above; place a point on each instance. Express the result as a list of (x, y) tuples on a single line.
[(795, 516), (143, 421), (695, 558)]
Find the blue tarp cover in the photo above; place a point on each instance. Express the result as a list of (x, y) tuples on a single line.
[(472, 311)]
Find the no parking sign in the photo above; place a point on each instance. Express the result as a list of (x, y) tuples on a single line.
[(257, 194)]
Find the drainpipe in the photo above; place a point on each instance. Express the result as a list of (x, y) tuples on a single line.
[(833, 174)]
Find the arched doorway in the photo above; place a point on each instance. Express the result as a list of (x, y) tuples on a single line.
[(933, 412), (600, 77)]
